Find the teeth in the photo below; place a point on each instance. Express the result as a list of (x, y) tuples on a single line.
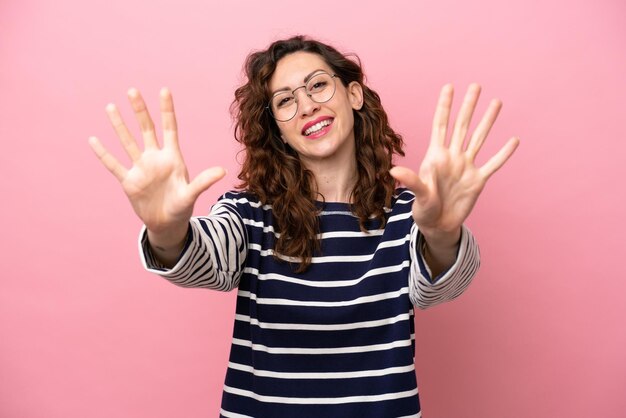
[(317, 126)]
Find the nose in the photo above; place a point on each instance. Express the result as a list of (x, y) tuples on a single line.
[(306, 105)]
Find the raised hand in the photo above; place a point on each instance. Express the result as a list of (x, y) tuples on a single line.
[(448, 182), (157, 184)]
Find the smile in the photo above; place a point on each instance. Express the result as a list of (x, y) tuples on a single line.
[(317, 127)]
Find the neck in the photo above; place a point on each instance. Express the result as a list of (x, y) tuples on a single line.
[(334, 183)]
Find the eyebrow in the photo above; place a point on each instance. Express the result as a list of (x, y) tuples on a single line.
[(306, 80)]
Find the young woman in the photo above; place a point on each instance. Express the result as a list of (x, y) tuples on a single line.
[(328, 257)]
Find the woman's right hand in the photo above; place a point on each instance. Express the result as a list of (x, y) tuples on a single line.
[(157, 184)]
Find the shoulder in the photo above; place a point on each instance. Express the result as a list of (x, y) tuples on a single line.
[(402, 200), (400, 215), (239, 198), (246, 204), (402, 193)]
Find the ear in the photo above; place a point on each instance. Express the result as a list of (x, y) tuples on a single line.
[(355, 94)]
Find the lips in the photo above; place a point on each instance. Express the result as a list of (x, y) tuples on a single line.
[(316, 126)]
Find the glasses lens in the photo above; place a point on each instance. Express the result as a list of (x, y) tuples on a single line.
[(321, 87), (284, 106)]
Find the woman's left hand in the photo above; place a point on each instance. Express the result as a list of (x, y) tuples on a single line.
[(448, 182)]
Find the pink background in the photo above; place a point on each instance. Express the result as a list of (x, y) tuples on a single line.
[(86, 333)]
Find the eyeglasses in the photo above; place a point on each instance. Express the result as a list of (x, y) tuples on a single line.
[(320, 88)]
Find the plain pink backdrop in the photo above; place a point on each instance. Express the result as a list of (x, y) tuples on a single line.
[(85, 332)]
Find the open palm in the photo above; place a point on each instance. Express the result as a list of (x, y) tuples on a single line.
[(448, 182), (157, 184)]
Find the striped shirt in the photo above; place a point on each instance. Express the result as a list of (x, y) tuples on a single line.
[(337, 340)]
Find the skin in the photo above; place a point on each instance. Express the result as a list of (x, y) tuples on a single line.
[(157, 184), (446, 185), (448, 182), (331, 158)]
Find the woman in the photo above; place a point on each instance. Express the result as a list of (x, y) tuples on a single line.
[(328, 257)]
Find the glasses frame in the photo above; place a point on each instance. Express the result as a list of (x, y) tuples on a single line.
[(309, 95)]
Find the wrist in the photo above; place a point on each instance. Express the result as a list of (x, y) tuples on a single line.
[(442, 240), (439, 249), (170, 239)]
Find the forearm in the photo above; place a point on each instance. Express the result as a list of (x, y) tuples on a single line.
[(210, 254), (167, 245), (428, 287), (440, 249)]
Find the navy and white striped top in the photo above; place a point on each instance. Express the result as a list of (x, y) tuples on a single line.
[(335, 341)]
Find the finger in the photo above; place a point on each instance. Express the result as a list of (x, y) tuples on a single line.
[(145, 122), (483, 128), (411, 180), (500, 158), (107, 159), (461, 125), (127, 140), (442, 115), (168, 119), (205, 180)]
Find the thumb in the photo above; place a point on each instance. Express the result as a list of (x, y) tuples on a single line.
[(204, 180), (410, 179)]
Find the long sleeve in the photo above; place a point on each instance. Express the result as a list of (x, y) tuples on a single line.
[(424, 291), (214, 254)]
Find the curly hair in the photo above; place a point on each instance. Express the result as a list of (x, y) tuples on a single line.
[(289, 187)]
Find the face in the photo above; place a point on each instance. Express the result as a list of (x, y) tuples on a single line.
[(319, 132)]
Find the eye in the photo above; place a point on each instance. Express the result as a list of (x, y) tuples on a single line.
[(283, 101), (318, 85)]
